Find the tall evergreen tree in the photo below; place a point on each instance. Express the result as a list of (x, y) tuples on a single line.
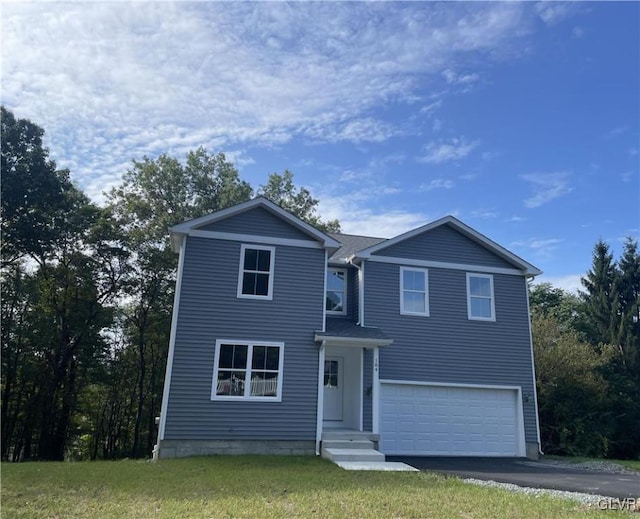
[(600, 297)]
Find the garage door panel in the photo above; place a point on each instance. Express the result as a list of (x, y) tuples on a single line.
[(442, 420)]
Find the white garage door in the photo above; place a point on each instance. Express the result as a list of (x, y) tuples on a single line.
[(449, 421)]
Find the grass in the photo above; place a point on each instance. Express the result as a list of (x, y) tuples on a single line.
[(630, 464), (252, 487)]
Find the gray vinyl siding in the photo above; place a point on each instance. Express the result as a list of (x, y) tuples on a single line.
[(444, 243), (209, 309), (257, 221), (447, 346)]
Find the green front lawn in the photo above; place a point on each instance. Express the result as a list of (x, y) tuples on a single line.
[(254, 487)]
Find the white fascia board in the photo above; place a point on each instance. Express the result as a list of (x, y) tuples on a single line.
[(467, 267), (260, 201), (464, 229)]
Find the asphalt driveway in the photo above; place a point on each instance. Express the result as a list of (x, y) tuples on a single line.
[(528, 473)]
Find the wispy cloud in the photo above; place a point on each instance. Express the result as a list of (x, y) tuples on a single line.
[(546, 187), (437, 152), (437, 183), (577, 32), (615, 132), (485, 213), (552, 13), (539, 247), (115, 81), (628, 176), (453, 77)]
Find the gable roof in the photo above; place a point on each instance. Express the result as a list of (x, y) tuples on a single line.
[(463, 229), (184, 228), (350, 244)]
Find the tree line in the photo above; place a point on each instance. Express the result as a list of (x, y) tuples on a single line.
[(587, 359), (87, 295), (88, 292)]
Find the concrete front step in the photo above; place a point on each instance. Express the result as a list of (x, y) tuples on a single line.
[(361, 455), (347, 444), (338, 434), (394, 466)]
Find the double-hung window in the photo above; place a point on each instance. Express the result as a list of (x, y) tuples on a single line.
[(414, 291), (248, 370), (336, 296), (255, 279), (480, 297)]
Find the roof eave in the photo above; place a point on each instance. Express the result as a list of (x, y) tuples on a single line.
[(337, 340), (329, 243)]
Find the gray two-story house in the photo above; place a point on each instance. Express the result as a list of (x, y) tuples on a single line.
[(282, 333)]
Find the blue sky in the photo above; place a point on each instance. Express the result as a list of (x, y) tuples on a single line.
[(521, 119)]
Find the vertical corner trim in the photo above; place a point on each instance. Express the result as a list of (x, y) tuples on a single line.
[(375, 389), (320, 399), (172, 340), (533, 368)]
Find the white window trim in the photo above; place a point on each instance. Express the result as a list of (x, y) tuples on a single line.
[(250, 345), (426, 291), (269, 295), (493, 297), (344, 301)]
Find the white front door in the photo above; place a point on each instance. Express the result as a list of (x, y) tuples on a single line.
[(333, 388)]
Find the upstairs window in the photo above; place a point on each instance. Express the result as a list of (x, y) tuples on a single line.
[(414, 291), (255, 280), (336, 297), (247, 370), (480, 298)]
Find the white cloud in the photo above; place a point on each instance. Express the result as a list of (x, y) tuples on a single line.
[(628, 176), (615, 132), (546, 187), (453, 77), (437, 183), (356, 130), (431, 107), (577, 32), (115, 81), (356, 218), (485, 213), (552, 13), (437, 152), (540, 247), (570, 282)]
